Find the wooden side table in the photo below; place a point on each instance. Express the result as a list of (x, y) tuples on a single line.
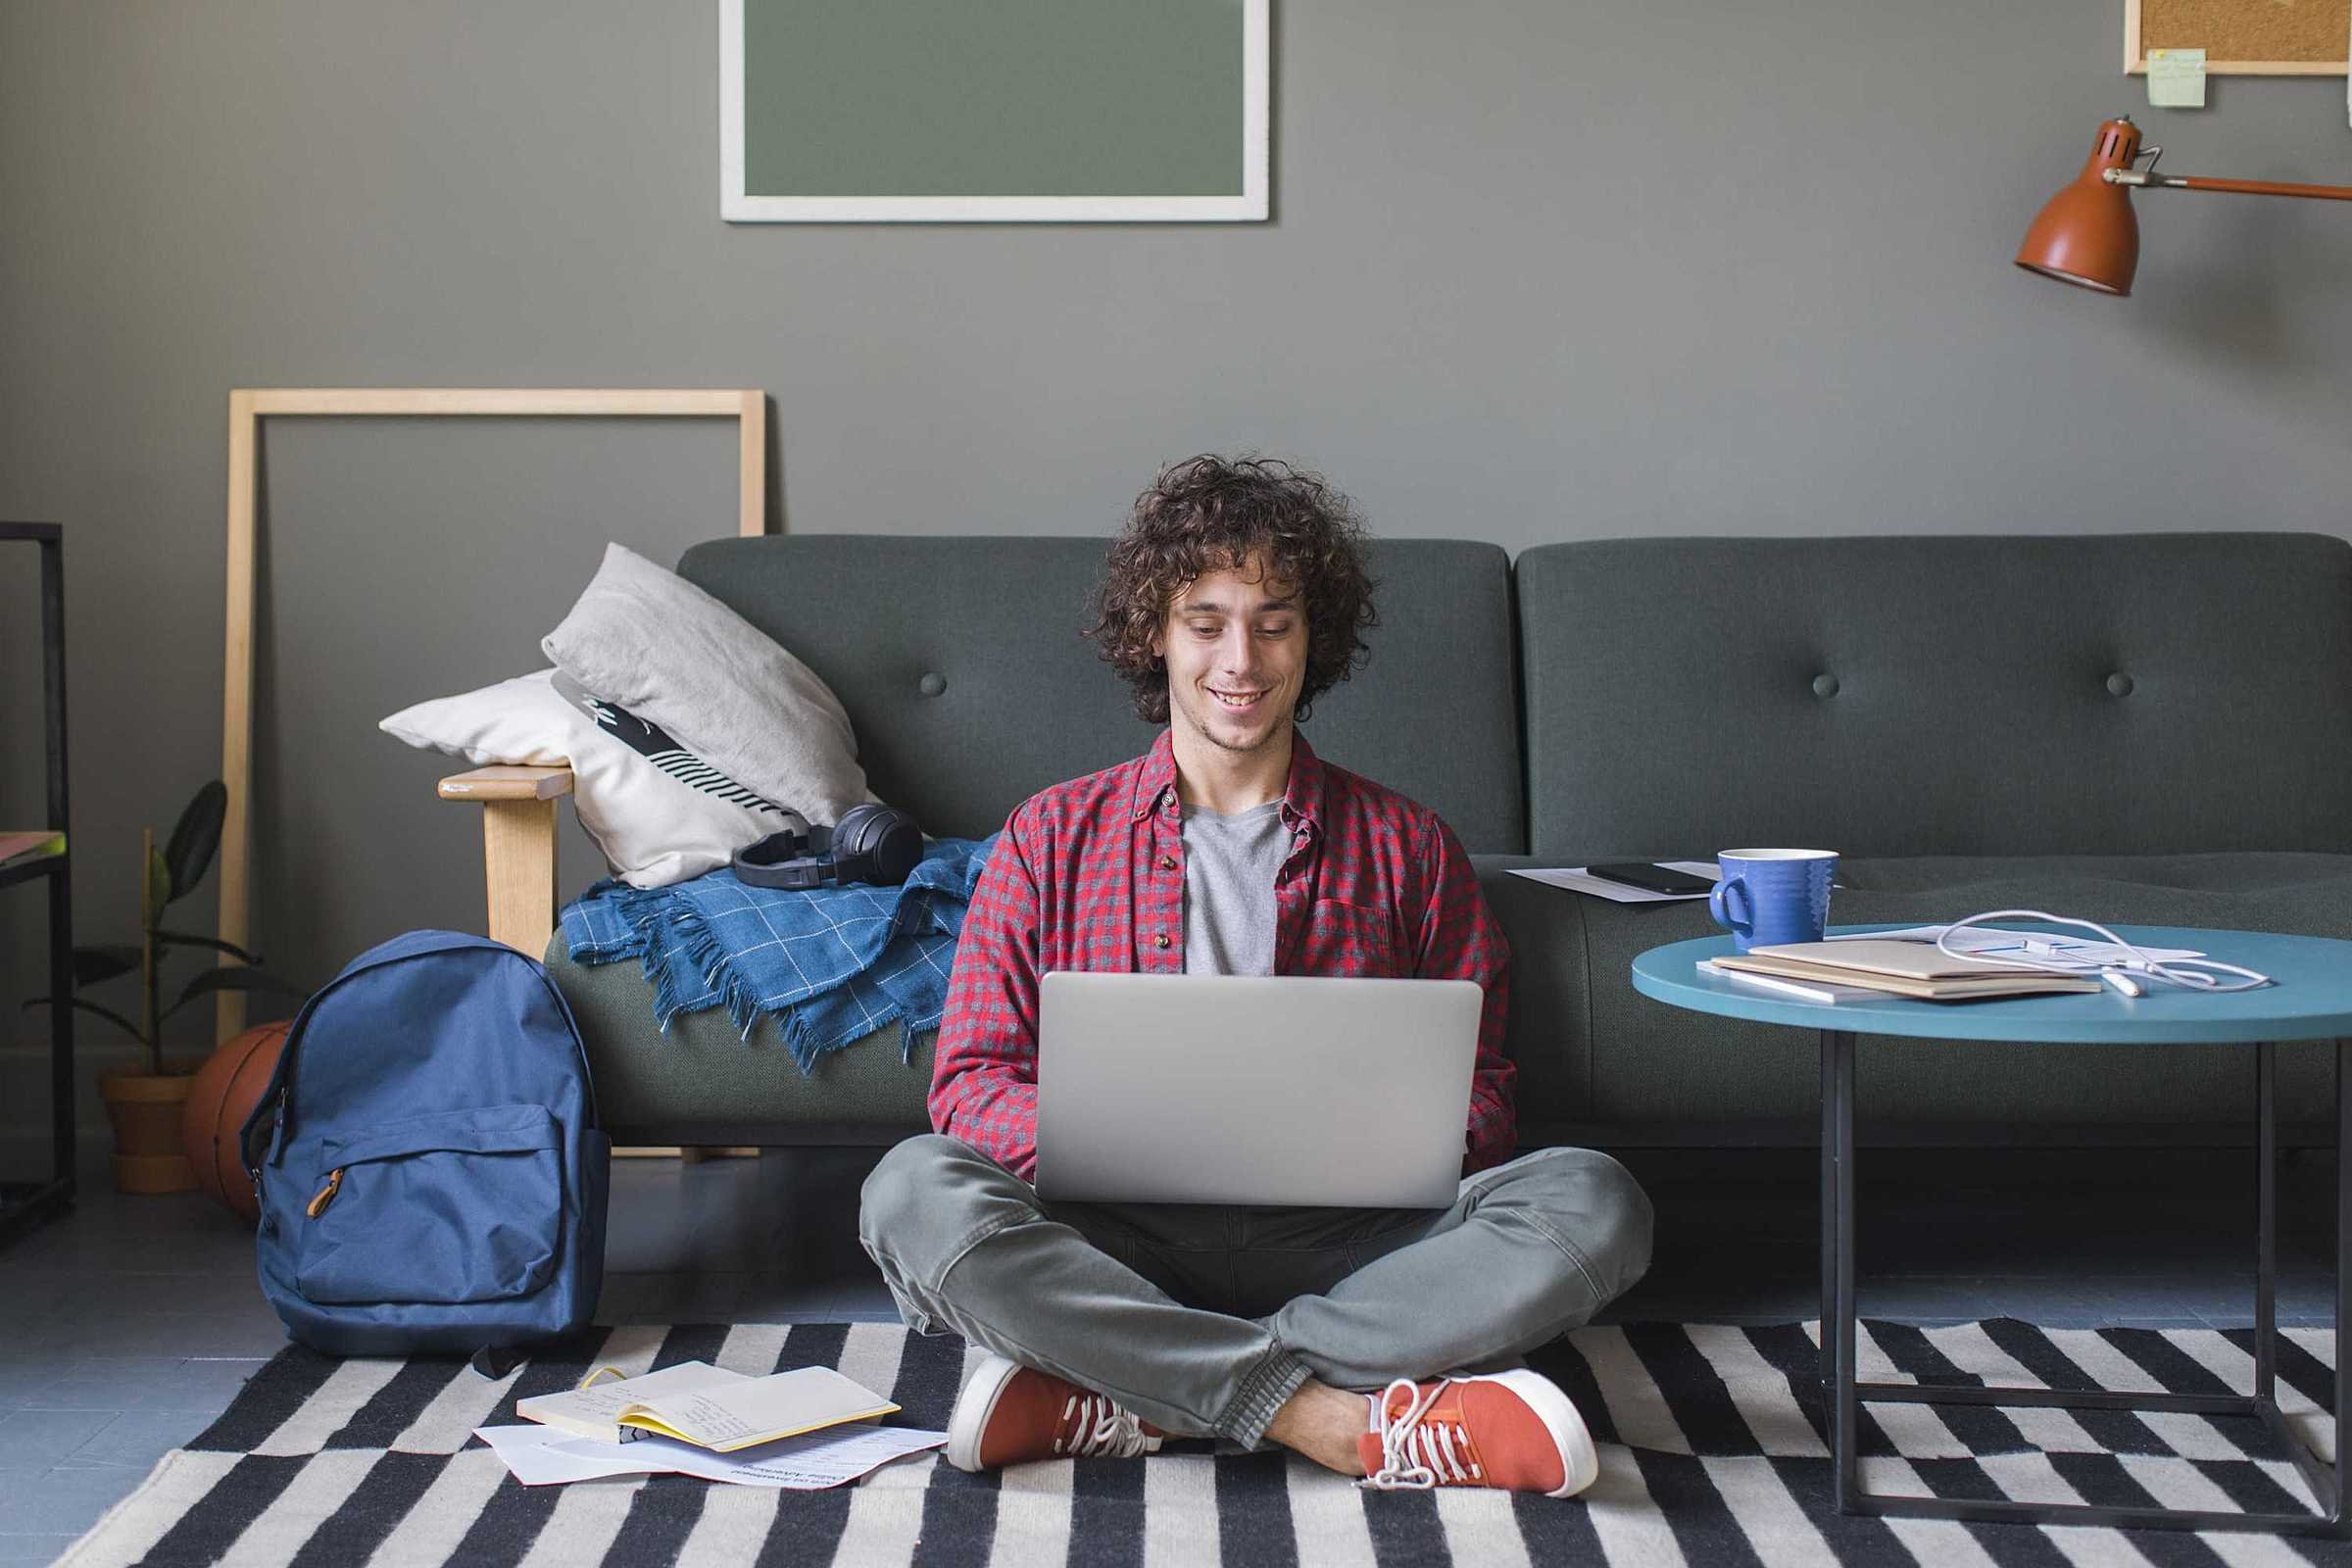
[(26, 1205)]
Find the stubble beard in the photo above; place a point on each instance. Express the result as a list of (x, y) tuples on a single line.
[(1208, 733)]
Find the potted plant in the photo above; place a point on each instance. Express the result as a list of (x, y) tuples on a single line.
[(144, 1102)]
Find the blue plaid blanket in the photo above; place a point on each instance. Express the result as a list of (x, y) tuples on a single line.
[(832, 965)]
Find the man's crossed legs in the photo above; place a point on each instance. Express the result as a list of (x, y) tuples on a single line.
[(1259, 1325)]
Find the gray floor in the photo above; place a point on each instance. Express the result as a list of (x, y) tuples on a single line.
[(130, 1323)]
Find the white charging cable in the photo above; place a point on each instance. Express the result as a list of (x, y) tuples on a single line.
[(2130, 974)]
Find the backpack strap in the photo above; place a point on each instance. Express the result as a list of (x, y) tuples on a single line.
[(261, 1126), (268, 1116)]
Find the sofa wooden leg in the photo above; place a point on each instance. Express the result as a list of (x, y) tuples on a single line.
[(691, 1154), (519, 852)]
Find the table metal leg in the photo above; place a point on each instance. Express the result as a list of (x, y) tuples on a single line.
[(2332, 1499), (2266, 1221), (1845, 1395), (1829, 1212), (1839, 1330)]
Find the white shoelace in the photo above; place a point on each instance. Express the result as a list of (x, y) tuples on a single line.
[(1412, 1456), (1103, 1430)]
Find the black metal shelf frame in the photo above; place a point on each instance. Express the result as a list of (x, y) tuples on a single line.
[(24, 1206)]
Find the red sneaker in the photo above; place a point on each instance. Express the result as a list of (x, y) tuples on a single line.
[(1511, 1430), (1011, 1414)]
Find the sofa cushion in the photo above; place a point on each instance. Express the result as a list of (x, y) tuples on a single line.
[(2119, 695), (960, 663), (650, 642), (1593, 1054), (703, 1083), (659, 812)]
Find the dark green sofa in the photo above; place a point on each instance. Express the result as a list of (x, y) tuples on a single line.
[(2147, 727)]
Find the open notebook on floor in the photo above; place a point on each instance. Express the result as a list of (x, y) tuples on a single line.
[(1914, 970), (709, 1406)]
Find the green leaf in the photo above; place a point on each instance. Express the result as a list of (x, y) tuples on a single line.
[(108, 1013), (94, 964), (233, 979), (195, 839), (159, 887), (189, 939)]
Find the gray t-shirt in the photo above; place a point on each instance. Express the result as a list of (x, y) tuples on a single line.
[(1230, 864)]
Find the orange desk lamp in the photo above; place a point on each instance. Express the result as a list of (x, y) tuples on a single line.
[(2088, 236)]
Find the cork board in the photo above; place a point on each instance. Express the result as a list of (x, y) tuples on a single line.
[(2243, 37)]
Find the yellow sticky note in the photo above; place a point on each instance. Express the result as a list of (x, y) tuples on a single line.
[(2176, 78)]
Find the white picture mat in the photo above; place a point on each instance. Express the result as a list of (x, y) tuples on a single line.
[(737, 206)]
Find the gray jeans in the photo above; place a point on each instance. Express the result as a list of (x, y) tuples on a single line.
[(1205, 1318)]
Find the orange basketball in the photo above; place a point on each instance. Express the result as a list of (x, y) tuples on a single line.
[(228, 1088)]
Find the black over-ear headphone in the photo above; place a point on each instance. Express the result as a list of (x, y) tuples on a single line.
[(877, 844)]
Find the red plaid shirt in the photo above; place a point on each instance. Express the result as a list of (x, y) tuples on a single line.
[(1089, 875)]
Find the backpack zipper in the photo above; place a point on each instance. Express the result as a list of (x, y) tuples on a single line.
[(327, 1193)]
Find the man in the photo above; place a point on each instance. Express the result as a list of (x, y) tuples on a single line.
[(1380, 1344)]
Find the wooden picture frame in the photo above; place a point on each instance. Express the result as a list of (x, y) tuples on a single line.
[(2226, 27), (1009, 113), (249, 406)]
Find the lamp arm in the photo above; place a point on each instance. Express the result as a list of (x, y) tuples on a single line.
[(2246, 188)]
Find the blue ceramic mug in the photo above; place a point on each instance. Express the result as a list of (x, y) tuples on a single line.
[(1767, 897)]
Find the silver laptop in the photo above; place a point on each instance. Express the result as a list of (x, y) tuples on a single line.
[(1253, 1089)]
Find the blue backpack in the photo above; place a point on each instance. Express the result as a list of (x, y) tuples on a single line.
[(430, 1172)]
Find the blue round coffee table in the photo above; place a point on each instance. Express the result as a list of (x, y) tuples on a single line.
[(2311, 1000)]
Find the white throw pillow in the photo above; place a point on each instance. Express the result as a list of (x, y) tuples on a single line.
[(660, 813), (644, 638)]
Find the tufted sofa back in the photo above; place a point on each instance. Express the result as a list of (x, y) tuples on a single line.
[(2117, 694), (961, 664)]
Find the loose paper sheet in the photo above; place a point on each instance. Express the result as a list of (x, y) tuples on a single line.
[(1822, 991), (820, 1459), (539, 1456)]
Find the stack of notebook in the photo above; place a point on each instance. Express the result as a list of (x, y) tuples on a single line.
[(1916, 969)]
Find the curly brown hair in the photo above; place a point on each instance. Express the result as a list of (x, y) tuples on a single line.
[(1206, 514)]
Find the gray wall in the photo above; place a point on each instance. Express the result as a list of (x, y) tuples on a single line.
[(1537, 271)]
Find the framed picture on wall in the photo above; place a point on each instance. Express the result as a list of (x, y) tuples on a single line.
[(994, 111)]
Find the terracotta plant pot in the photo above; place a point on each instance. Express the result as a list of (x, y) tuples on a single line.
[(146, 1110)]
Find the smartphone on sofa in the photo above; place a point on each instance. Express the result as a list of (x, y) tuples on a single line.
[(1651, 878)]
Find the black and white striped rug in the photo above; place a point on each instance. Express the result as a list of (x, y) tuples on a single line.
[(1711, 1436)]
